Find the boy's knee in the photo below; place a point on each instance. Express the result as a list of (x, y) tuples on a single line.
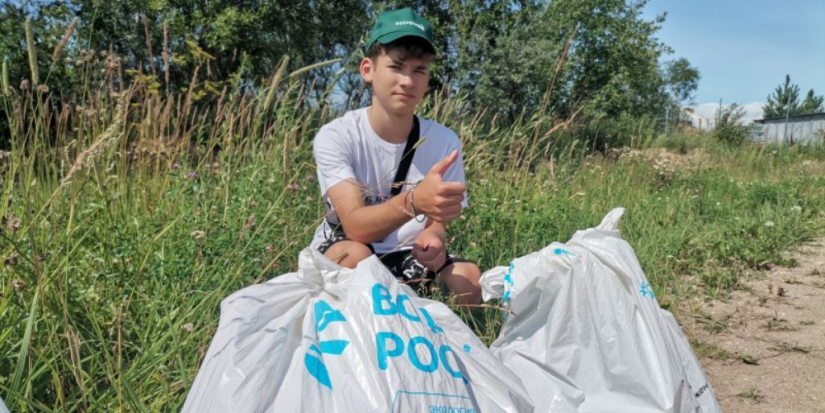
[(463, 280), (348, 253)]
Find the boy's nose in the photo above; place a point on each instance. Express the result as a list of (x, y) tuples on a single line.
[(406, 81)]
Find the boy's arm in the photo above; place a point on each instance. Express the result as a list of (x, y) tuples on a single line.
[(367, 224), (429, 248), (438, 200)]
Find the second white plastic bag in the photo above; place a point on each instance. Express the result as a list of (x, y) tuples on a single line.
[(586, 327)]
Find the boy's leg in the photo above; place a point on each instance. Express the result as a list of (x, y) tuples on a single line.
[(462, 277), (459, 275), (348, 253), (345, 252)]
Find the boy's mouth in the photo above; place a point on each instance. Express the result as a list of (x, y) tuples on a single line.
[(405, 96)]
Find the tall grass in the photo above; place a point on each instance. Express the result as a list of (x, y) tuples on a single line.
[(129, 214)]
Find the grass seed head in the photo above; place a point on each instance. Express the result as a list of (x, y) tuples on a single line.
[(32, 53), (4, 78), (62, 44)]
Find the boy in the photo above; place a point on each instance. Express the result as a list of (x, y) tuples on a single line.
[(359, 157)]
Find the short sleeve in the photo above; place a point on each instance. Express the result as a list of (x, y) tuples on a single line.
[(333, 158)]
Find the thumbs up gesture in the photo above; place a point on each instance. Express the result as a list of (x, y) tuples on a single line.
[(437, 199)]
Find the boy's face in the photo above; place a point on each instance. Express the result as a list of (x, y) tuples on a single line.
[(397, 85)]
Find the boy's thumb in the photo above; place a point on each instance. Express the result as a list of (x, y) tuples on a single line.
[(444, 165)]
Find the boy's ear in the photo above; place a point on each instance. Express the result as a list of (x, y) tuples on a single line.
[(367, 69)]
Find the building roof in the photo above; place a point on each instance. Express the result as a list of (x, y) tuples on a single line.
[(782, 118)]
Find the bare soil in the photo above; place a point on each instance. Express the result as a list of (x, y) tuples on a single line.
[(763, 348)]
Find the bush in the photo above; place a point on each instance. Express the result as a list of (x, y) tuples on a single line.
[(730, 129)]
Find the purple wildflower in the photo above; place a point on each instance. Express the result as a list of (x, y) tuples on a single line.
[(310, 177), (175, 165), (294, 186), (192, 175)]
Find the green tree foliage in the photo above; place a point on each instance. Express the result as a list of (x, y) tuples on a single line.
[(681, 79), (504, 54), (228, 31), (614, 57), (507, 68), (812, 103), (785, 100)]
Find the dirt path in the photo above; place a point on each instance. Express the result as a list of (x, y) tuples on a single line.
[(764, 348)]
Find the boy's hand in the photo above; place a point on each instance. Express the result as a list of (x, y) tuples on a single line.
[(439, 200), (428, 249)]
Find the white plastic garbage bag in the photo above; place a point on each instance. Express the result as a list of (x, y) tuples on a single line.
[(326, 339), (3, 408), (586, 321)]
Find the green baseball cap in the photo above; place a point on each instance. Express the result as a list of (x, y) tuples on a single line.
[(393, 25)]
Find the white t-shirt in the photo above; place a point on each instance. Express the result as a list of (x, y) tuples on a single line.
[(348, 148)]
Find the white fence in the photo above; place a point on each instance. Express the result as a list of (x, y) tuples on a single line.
[(797, 129)]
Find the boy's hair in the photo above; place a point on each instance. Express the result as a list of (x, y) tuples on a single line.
[(408, 47)]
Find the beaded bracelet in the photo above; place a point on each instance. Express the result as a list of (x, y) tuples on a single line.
[(407, 210)]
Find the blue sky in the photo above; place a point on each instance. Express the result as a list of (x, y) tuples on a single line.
[(743, 49)]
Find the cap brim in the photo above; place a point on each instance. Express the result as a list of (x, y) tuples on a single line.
[(391, 37)]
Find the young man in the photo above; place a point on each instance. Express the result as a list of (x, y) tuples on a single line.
[(359, 156)]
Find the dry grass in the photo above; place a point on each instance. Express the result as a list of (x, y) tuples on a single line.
[(64, 40)]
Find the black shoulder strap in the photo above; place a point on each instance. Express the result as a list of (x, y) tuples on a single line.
[(406, 159)]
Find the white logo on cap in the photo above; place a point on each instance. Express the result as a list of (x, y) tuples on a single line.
[(410, 23)]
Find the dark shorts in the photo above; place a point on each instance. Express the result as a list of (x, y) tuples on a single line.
[(401, 264)]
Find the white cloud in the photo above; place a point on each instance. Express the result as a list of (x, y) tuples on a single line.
[(753, 111)]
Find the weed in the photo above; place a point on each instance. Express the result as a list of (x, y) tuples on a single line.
[(779, 324), (748, 359), (704, 349), (709, 323), (752, 394)]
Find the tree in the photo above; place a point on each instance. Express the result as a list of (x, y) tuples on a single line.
[(502, 53), (811, 104), (614, 57), (508, 69), (785, 99), (681, 80), (264, 31)]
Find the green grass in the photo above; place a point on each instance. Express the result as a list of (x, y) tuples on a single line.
[(112, 279)]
